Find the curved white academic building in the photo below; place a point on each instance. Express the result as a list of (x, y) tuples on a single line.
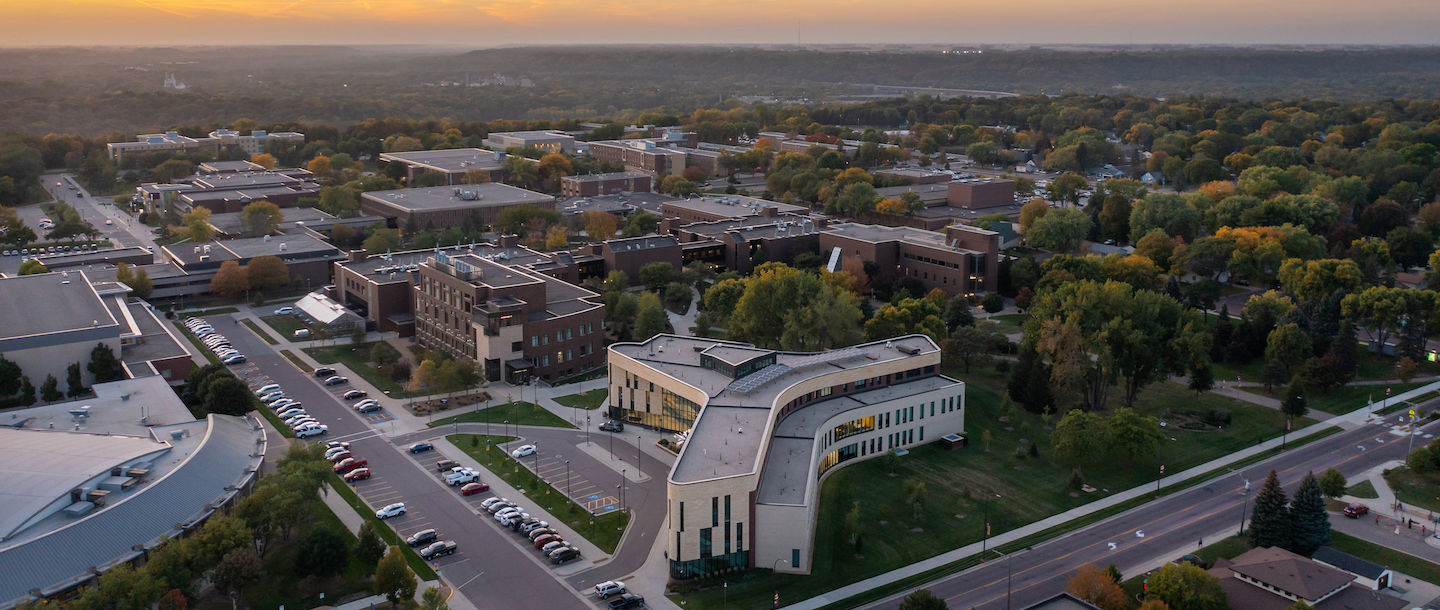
[(765, 428)]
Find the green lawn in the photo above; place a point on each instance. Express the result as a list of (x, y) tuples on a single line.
[(295, 360), (259, 332), (286, 325), (596, 373), (1372, 366), (357, 356), (204, 351), (961, 485), (1228, 548), (265, 412), (603, 531), (1416, 489), (1409, 564), (1008, 323), (585, 400), (1345, 399), (382, 528), (1363, 489), (518, 412)]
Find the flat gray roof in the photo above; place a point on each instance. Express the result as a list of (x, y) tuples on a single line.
[(231, 166), (50, 303), (434, 198), (245, 180), (295, 246), (880, 234), (230, 222), (641, 243), (605, 176), (735, 206), (580, 205), (713, 450), (449, 160), (41, 466), (752, 227)]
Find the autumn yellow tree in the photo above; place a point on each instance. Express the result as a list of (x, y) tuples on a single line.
[(267, 272), (556, 237), (197, 224), (261, 218), (230, 280), (1095, 585), (551, 168), (1031, 212), (599, 225), (265, 160), (1218, 189), (320, 165), (893, 206)]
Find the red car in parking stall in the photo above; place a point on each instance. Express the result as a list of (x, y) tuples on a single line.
[(358, 474), (471, 489), (349, 464)]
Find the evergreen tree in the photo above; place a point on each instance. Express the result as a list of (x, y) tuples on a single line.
[(27, 391), (1309, 523), (1030, 382), (103, 364), (1202, 378), (73, 379), (9, 377), (1295, 406), (50, 390), (1270, 519), (1345, 351), (1224, 332)]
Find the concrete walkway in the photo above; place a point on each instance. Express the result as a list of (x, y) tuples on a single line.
[(1349, 420), (1405, 528)]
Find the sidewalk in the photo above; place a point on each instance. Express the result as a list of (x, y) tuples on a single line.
[(1380, 526), (1357, 417)]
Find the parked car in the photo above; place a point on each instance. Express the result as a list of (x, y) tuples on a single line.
[(552, 546), (284, 311), (421, 447), (513, 520), (391, 510), (532, 524), (462, 476), (544, 540), (491, 502), (350, 464), (359, 474), (613, 426), (370, 408), (565, 554), (365, 403), (506, 513), (523, 451), (235, 359), (422, 537), (626, 601), (538, 532), (323, 371), (312, 430), (608, 588), (1355, 511), (444, 465), (353, 394), (266, 389), (438, 549), (338, 444), (337, 380), (471, 489), (338, 456), (334, 451)]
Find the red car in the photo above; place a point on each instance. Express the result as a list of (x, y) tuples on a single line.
[(471, 489), (359, 474), (349, 464), (1355, 511), (546, 539)]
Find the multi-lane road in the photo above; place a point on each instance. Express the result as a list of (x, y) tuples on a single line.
[(1163, 529), (491, 569)]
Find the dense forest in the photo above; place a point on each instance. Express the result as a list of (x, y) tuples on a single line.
[(102, 91)]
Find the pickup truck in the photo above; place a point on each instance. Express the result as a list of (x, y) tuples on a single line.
[(461, 477), (628, 600)]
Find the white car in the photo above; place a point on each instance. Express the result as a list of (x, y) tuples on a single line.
[(523, 451), (284, 311), (608, 588), (303, 422), (364, 403), (393, 510), (532, 526), (509, 512), (311, 430), (234, 359), (267, 389)]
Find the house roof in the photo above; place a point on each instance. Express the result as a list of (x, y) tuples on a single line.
[(1350, 563), (1289, 572)]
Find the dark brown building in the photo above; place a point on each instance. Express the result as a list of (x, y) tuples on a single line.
[(594, 185), (981, 193), (734, 244), (515, 322), (724, 207), (962, 260), (629, 255)]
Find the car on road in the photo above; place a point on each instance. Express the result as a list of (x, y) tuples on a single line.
[(1355, 511), (391, 510), (323, 371), (438, 549), (337, 380), (350, 464), (353, 394), (422, 537), (312, 430), (284, 311), (608, 588), (626, 601), (421, 447), (359, 474), (546, 539), (613, 426), (523, 451)]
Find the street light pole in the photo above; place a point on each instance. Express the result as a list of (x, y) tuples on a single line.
[(1244, 503), (622, 489), (567, 477), (1411, 445), (637, 453)]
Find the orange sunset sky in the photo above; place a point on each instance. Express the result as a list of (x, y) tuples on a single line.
[(494, 22)]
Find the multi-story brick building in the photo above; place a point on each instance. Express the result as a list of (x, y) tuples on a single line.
[(962, 260), (442, 206), (592, 185), (981, 193), (515, 322), (724, 207)]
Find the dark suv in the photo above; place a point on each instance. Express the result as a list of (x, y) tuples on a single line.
[(421, 537), (613, 426), (324, 371), (565, 554), (439, 549)]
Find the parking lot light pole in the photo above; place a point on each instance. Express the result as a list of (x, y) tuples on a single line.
[(567, 477), (637, 455), (622, 489)]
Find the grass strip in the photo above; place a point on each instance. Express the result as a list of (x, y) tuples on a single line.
[(1399, 561), (591, 399), (295, 360), (961, 565), (196, 342), (382, 528), (603, 531), (521, 413), (259, 332), (357, 358), (265, 412)]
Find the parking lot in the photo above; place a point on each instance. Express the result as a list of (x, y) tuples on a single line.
[(589, 494)]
